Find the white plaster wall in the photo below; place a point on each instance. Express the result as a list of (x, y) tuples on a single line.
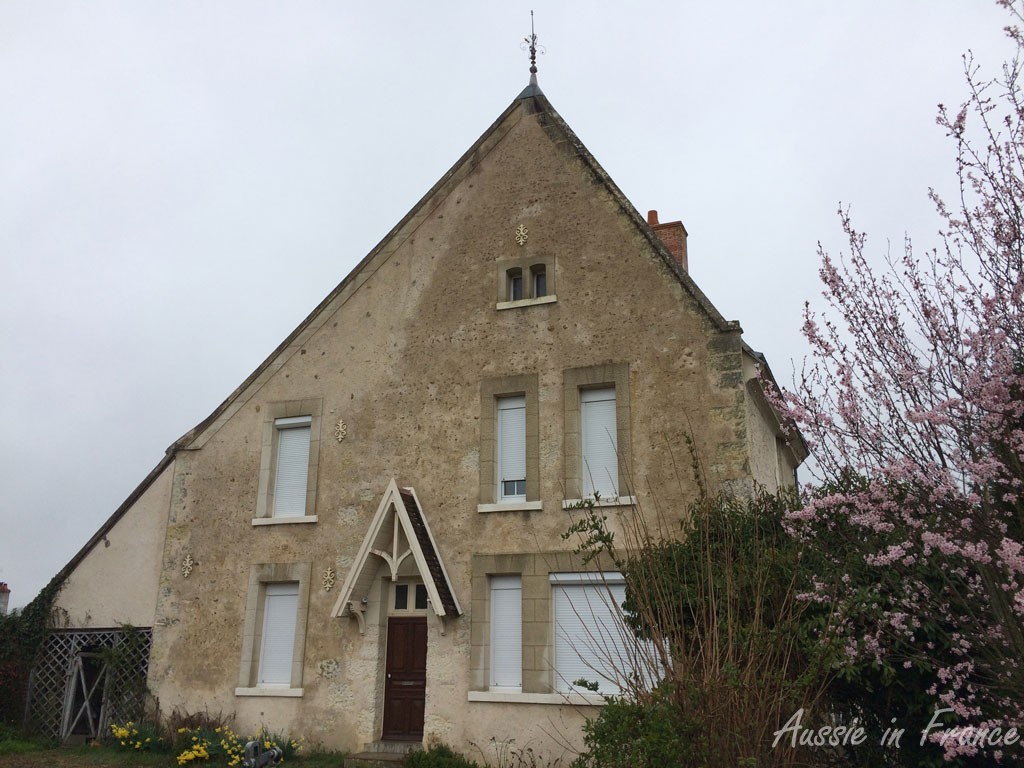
[(762, 441), (116, 582)]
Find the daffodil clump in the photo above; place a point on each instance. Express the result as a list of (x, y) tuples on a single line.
[(211, 745), (222, 743), (137, 736), (201, 744)]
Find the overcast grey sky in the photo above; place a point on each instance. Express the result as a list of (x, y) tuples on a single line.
[(182, 182)]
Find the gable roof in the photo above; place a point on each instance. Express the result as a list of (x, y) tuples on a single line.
[(530, 102), (401, 508)]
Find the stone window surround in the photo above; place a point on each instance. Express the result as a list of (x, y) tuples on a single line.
[(527, 385), (526, 266), (313, 408), (574, 380), (259, 576), (538, 638)]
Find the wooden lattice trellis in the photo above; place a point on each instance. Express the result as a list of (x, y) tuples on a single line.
[(86, 679)]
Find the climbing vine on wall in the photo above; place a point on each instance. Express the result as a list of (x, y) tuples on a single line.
[(21, 635)]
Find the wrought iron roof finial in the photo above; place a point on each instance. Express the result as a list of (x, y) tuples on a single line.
[(530, 44)]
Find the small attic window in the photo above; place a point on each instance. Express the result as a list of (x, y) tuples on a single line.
[(524, 282), (539, 280), (515, 284)]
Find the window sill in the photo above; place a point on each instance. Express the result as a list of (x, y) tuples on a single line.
[(611, 501), (293, 693), (514, 506), (284, 520), (526, 302), (508, 697)]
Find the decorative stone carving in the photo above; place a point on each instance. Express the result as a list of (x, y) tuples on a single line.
[(329, 576), (522, 233), (340, 430), (187, 565)]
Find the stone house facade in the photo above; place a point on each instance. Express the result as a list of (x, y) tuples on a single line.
[(362, 544)]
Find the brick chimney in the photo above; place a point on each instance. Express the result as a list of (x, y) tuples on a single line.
[(673, 235), (5, 595)]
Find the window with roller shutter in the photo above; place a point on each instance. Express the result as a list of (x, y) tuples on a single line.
[(506, 633), (277, 641), (292, 472)]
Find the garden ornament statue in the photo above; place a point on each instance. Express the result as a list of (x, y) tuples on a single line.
[(256, 757)]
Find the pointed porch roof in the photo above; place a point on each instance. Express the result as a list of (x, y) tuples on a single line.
[(399, 512)]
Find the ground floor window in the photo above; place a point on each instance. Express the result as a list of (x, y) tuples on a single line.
[(507, 633), (591, 642), (274, 634)]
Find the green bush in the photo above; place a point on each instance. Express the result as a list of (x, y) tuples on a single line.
[(629, 734), (714, 603)]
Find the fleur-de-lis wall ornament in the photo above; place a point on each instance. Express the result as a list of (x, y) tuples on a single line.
[(522, 233), (330, 575), (340, 430), (187, 565)]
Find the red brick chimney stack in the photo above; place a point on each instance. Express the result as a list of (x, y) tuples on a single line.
[(5, 595), (673, 235)]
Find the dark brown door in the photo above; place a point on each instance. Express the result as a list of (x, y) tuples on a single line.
[(405, 684)]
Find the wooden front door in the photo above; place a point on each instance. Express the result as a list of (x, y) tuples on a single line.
[(405, 683)]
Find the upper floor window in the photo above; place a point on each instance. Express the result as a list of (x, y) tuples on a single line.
[(292, 476), (539, 275), (289, 463), (597, 418), (511, 443), (524, 282), (515, 284), (599, 442)]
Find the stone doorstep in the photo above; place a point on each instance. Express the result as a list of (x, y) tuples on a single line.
[(375, 759), (392, 747), (383, 753)]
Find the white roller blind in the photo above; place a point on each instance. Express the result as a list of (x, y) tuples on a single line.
[(599, 442), (511, 446), (591, 642), (280, 607), (507, 632), (292, 466)]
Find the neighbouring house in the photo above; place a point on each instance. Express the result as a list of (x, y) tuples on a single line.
[(5, 597), (362, 544)]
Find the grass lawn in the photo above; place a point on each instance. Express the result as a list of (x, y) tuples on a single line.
[(27, 754)]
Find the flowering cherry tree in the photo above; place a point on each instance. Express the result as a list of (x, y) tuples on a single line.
[(913, 405)]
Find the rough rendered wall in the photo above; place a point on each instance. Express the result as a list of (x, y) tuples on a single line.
[(770, 465), (116, 582), (400, 356), (764, 453)]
